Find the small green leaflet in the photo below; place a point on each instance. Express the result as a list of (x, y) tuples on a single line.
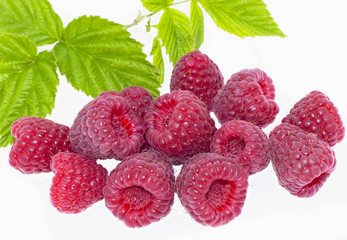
[(175, 32), (33, 18), (98, 55), (158, 58), (156, 5), (28, 82), (197, 19), (242, 17)]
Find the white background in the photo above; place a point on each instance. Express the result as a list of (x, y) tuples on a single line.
[(311, 57)]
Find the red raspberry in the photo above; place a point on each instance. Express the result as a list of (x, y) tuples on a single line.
[(37, 141), (179, 124), (302, 161), (139, 190), (107, 128), (212, 188), (248, 95), (244, 142), (78, 182), (315, 113), (197, 73), (260, 77), (139, 98)]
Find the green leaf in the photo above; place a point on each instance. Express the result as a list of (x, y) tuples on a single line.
[(156, 5), (33, 18), (98, 55), (28, 82), (175, 32), (197, 19), (158, 58), (242, 17)]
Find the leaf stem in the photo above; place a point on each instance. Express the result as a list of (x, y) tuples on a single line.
[(177, 3), (139, 19)]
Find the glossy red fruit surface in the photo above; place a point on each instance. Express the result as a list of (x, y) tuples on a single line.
[(248, 95), (140, 190), (107, 128), (138, 97), (37, 140), (301, 160), (179, 124), (245, 143), (197, 73), (315, 113), (212, 188), (77, 184)]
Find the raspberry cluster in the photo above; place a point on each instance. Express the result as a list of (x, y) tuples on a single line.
[(150, 136)]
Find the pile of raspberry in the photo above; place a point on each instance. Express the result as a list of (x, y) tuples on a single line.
[(150, 137)]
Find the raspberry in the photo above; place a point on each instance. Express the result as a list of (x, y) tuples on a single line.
[(139, 98), (139, 190), (212, 188), (37, 141), (78, 182), (260, 77), (107, 128), (248, 95), (197, 73), (179, 124), (245, 142), (302, 161), (315, 113)]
